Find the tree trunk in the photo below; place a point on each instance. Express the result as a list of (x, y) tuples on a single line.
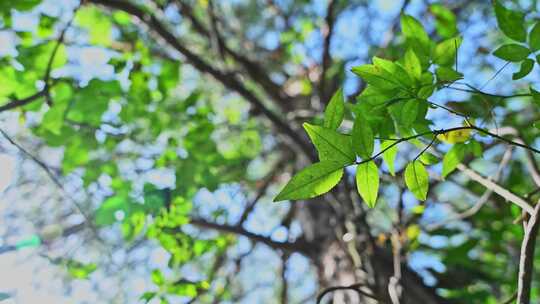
[(344, 257)]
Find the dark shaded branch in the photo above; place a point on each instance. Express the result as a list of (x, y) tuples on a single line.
[(526, 261), (298, 246), (284, 299), (355, 287), (22, 102), (326, 58), (254, 69), (227, 79), (262, 190)]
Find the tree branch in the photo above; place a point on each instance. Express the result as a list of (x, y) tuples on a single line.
[(254, 69), (326, 59), (355, 287), (22, 102), (227, 79), (298, 246), (526, 261), (482, 200)]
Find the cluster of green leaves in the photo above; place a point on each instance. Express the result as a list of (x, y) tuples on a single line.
[(512, 24), (181, 288), (149, 109), (394, 103)]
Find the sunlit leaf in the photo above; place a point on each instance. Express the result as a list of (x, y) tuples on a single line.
[(417, 179), (445, 52), (367, 182), (312, 181), (445, 20), (330, 144), (412, 64), (333, 115), (452, 158), (362, 138), (389, 155)]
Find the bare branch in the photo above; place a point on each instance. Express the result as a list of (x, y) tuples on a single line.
[(526, 261), (355, 287), (297, 246), (482, 200), (22, 102), (327, 36)]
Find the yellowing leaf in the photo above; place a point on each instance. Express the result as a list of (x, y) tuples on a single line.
[(454, 137)]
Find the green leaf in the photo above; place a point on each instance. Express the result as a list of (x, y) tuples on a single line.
[(331, 145), (534, 37), (362, 138), (398, 73), (389, 155), (510, 22), (333, 115), (526, 67), (412, 64), (147, 296), (416, 38), (512, 52), (367, 182), (428, 159), (105, 214), (475, 148), (20, 5), (54, 118), (452, 158), (157, 277), (427, 86), (417, 179), (92, 101), (414, 31), (445, 52), (446, 74), (445, 20), (536, 96), (80, 270), (97, 23), (376, 76), (404, 113), (312, 181)]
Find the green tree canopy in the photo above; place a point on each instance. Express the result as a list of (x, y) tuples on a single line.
[(277, 151)]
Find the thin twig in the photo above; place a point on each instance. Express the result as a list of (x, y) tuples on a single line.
[(40, 163), (356, 287)]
